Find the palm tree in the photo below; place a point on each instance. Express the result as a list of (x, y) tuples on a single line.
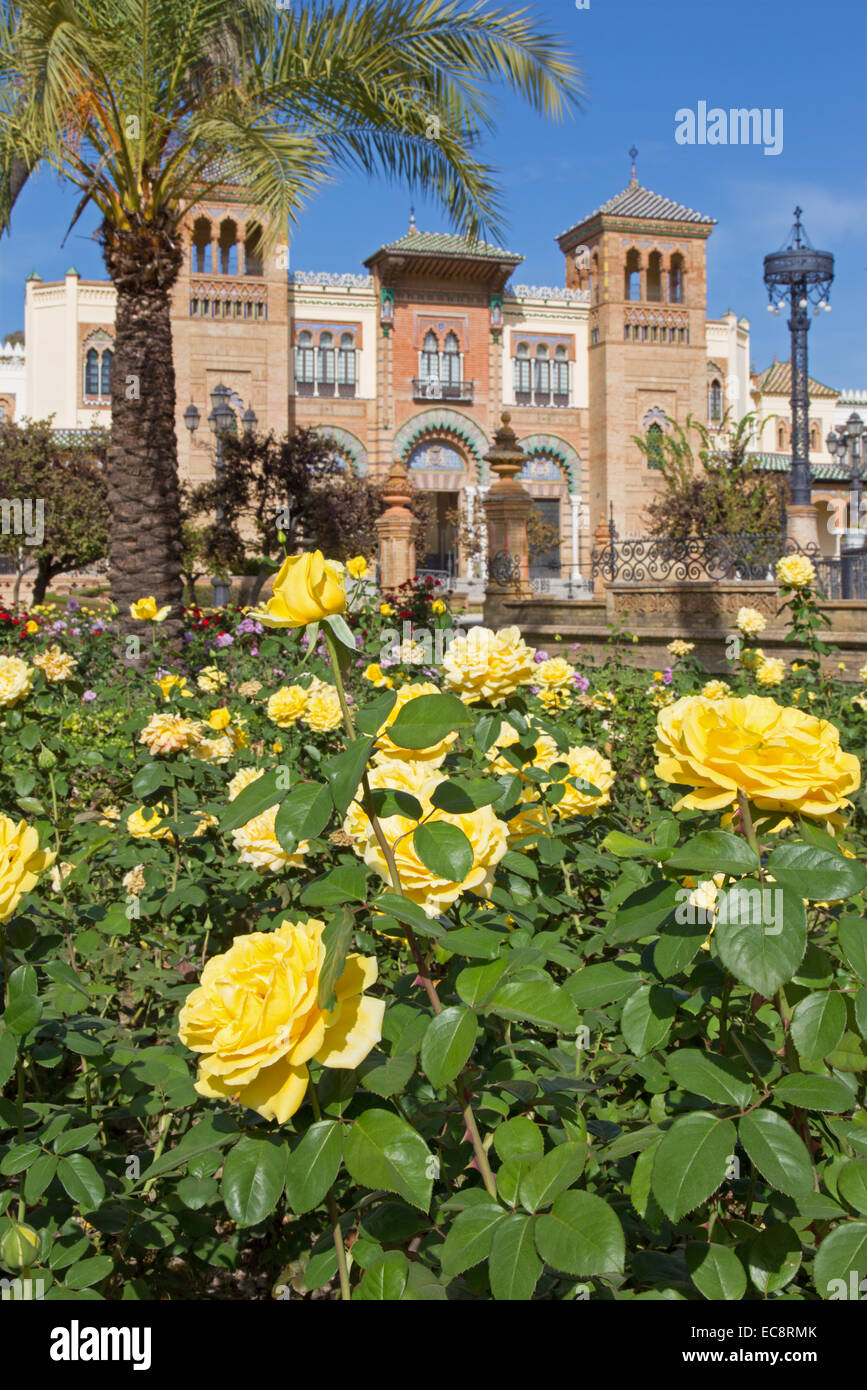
[(142, 104)]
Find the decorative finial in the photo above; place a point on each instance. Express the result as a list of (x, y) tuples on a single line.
[(633, 155), (412, 226)]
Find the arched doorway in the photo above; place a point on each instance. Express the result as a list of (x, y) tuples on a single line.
[(438, 468)]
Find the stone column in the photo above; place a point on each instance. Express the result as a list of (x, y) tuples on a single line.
[(575, 503), (507, 507), (396, 529), (483, 491), (471, 554), (802, 525)]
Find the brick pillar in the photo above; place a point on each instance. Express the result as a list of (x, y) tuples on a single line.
[(396, 529), (507, 507), (601, 538)]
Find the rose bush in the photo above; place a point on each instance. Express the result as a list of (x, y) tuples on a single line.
[(337, 966)]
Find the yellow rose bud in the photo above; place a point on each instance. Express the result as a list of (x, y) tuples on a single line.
[(357, 567), (219, 718), (19, 1246), (307, 589), (146, 611)]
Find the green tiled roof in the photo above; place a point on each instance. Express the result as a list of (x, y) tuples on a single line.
[(776, 380), (782, 463), (447, 244)]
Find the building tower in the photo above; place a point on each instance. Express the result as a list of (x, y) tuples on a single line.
[(642, 258)]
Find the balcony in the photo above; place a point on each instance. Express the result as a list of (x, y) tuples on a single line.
[(431, 389)]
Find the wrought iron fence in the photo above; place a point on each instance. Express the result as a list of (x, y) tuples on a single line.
[(843, 576), (660, 560)]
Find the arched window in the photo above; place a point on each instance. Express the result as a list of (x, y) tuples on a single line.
[(654, 445), (451, 361), (304, 364), (91, 373), (632, 275), (815, 438), (105, 373), (521, 365), (253, 258), (325, 373), (346, 365), (430, 357), (654, 276), (201, 245), (675, 279), (560, 372), (228, 246), (715, 401), (781, 435), (543, 374)]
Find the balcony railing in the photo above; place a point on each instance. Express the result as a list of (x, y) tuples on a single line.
[(431, 389)]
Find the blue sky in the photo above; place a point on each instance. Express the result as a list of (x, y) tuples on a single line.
[(643, 60)]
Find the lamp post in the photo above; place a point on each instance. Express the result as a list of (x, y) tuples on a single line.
[(223, 422), (796, 276)]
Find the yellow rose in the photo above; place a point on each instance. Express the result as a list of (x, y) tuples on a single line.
[(544, 748), (145, 823), (750, 622), (555, 673), (15, 680), (323, 712), (286, 705), (31, 628), (307, 589), (587, 764), (56, 665), (145, 611), (715, 690), (862, 674), (219, 718), (771, 672), (170, 682), (242, 778), (796, 572), (257, 1021), (677, 648), (557, 699), (211, 679), (257, 844), (487, 665), (21, 863), (214, 750), (249, 689), (375, 674), (387, 751), (782, 758), (170, 733), (486, 834), (386, 610), (134, 881), (357, 567)]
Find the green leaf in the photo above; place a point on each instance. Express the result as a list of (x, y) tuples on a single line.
[(462, 794), (344, 772), (535, 1001), (429, 718), (716, 1272), (206, 1135), (761, 934), (469, 1237), (303, 814), (8, 1055), (600, 984), (476, 984), (371, 717), (818, 1023), (22, 1013), (774, 1258), (691, 1162), (341, 629), (406, 911), (150, 779), (713, 852), (647, 1018), (447, 1044), (779, 1154), (644, 912), (812, 1092), (332, 890), (391, 801), (253, 1176), (852, 935), (385, 1280), (519, 1138), (850, 1054), (259, 796), (88, 1272), (678, 944), (705, 1074), (77, 1138), (443, 848), (552, 1175), (39, 1175), (628, 847), (520, 864), (81, 1182), (842, 1254), (581, 1236), (852, 1184), (513, 1265), (382, 1150), (337, 939), (815, 873)]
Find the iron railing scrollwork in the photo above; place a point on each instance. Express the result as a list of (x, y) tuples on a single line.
[(666, 560)]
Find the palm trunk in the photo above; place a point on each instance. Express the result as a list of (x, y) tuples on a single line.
[(143, 496)]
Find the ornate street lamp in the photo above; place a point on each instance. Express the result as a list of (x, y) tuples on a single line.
[(846, 444), (798, 276), (223, 423)]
